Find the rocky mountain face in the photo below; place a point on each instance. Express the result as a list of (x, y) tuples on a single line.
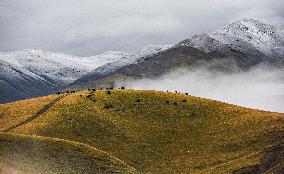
[(239, 46)]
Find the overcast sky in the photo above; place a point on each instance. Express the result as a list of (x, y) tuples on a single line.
[(88, 27)]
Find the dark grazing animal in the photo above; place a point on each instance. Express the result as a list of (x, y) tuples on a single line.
[(138, 100), (108, 92), (184, 101), (167, 102), (108, 106), (58, 93), (175, 103), (122, 87), (186, 93)]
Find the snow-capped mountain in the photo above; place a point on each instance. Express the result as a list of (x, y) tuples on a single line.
[(58, 67), (241, 45), (33, 72), (246, 35)]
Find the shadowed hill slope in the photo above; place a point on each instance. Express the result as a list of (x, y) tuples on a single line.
[(158, 132), (32, 154)]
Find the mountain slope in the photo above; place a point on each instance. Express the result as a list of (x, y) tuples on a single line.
[(111, 68), (158, 132), (19, 83), (30, 73), (164, 62), (240, 46)]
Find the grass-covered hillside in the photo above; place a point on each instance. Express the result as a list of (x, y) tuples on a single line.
[(153, 132)]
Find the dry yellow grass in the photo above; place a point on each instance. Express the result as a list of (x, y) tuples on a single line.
[(15, 112), (194, 136)]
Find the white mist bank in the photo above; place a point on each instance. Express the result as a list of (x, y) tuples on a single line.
[(260, 88)]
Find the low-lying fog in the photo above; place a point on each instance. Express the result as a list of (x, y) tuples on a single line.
[(261, 87)]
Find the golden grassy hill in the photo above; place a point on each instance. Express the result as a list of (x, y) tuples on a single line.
[(158, 132)]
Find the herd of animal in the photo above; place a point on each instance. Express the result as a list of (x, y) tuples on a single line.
[(108, 92)]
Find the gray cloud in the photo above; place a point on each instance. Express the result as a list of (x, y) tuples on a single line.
[(261, 88), (92, 26)]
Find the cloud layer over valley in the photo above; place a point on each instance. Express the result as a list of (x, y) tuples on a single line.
[(262, 87)]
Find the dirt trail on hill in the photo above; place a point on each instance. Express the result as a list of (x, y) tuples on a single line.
[(39, 113)]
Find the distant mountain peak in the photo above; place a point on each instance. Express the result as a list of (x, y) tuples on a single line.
[(247, 22), (245, 35)]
